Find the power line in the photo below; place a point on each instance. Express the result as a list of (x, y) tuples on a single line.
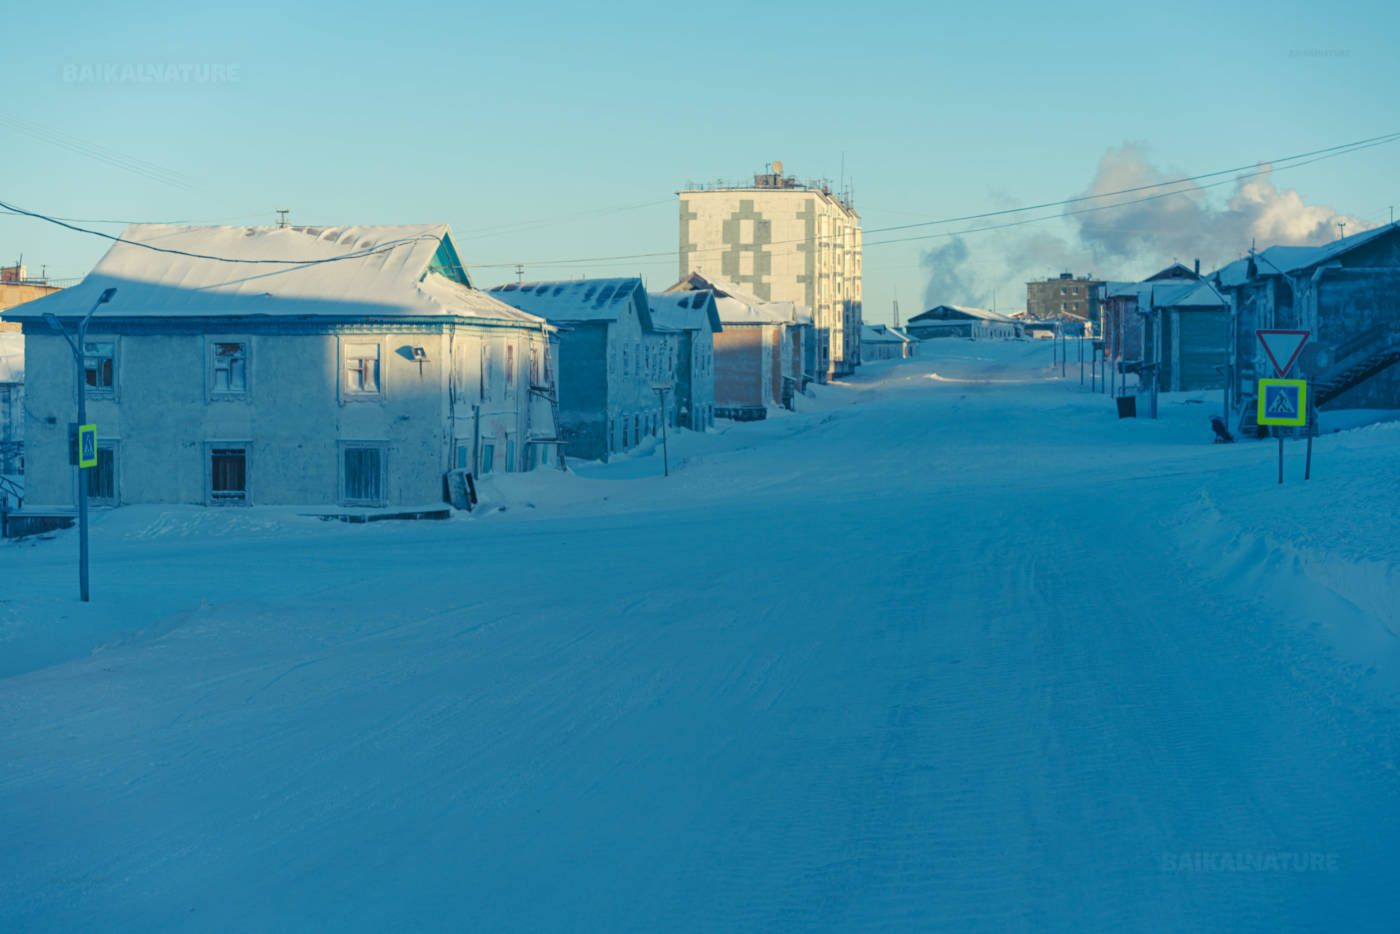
[(82, 147), (1293, 162), (357, 254)]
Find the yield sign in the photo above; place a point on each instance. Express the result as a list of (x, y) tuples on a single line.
[(1282, 346)]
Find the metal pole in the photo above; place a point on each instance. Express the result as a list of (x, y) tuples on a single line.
[(1081, 360), (665, 443), (1312, 416), (79, 371), (1280, 457)]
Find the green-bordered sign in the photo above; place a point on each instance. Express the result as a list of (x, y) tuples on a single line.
[(87, 445), (1283, 402)]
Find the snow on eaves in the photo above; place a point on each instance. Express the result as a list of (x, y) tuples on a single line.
[(382, 271), (687, 311), (578, 300)]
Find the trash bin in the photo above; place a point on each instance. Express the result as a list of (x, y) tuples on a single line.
[(1127, 406)]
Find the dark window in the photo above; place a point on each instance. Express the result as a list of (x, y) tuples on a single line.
[(99, 364), (228, 474), (364, 474)]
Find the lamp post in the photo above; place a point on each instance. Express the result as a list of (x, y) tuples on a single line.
[(78, 361)]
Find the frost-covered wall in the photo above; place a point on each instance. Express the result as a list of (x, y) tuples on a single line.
[(744, 367), (302, 392)]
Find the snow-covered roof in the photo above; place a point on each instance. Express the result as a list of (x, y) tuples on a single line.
[(578, 300), (1190, 294), (900, 333), (686, 311), (1281, 260), (737, 306), (879, 334), (982, 313), (374, 272), (11, 357)]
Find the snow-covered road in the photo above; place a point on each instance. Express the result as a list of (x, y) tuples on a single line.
[(948, 652)]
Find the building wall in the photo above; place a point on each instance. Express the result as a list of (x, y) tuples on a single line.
[(17, 293), (784, 244), (743, 366), (295, 413), (11, 427), (1344, 307), (583, 390), (1198, 342)]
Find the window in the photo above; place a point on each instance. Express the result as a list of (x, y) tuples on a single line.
[(228, 368), (637, 428), (228, 473), (625, 443), (510, 456), (102, 479), (485, 371), (626, 359), (462, 462), (362, 369), (362, 479), (100, 366), (488, 458), (510, 366)]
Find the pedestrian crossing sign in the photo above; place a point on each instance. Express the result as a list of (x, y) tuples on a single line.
[(87, 445), (1283, 402)]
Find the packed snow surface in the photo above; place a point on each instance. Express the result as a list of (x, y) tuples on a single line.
[(951, 648)]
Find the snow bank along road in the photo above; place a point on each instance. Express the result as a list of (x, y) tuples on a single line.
[(955, 650)]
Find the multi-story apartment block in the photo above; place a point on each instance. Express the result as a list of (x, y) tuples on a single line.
[(784, 241), (1065, 298)]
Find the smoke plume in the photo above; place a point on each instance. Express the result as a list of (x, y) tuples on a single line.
[(1124, 240)]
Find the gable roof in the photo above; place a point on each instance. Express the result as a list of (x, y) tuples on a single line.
[(982, 313), (737, 306), (880, 334), (1174, 271), (579, 300), (1291, 260), (687, 311), (376, 272)]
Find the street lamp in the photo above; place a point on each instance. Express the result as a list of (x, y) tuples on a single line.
[(79, 359)]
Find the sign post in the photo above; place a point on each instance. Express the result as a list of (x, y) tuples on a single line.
[(1284, 402)]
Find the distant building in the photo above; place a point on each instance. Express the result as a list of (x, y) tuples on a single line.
[(16, 288), (1169, 329), (359, 369), (760, 355), (882, 342), (784, 242), (962, 321), (1346, 293), (695, 319), (613, 360), (1065, 298)]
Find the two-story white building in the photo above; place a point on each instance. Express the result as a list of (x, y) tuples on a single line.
[(351, 366)]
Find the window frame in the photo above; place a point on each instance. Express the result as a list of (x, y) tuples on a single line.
[(211, 394), (488, 457), (111, 445), (209, 448), (109, 391), (342, 494), (359, 395)]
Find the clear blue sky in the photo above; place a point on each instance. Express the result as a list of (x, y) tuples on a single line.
[(528, 127)]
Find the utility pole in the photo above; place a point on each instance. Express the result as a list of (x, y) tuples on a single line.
[(78, 361), (519, 273), (1341, 229), (665, 444), (282, 216), (896, 312)]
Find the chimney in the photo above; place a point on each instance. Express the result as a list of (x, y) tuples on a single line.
[(1198, 268)]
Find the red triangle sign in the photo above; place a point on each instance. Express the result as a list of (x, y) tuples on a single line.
[(1282, 347)]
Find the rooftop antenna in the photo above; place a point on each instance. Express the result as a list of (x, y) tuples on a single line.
[(1341, 229), (896, 312), (519, 273), (282, 216)]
